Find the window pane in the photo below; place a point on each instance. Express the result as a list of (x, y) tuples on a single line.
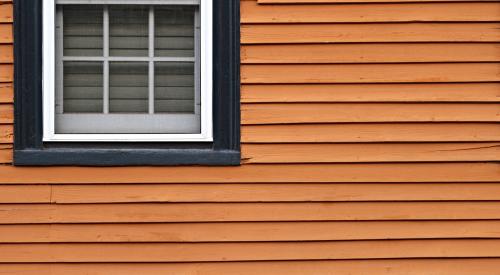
[(174, 87), (82, 29), (82, 87), (128, 30), (128, 87), (174, 31)]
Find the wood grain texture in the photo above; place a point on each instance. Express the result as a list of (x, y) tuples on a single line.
[(247, 231), (262, 192), (370, 73), (252, 12), (292, 113), (6, 93), (370, 53), (6, 53), (372, 132), (5, 153), (435, 92), (326, 87), (252, 173), (376, 32), (482, 266), (6, 34), (6, 133), (225, 212), (206, 252), (376, 152), (6, 13), (6, 114)]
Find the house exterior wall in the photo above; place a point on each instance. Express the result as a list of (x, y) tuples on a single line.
[(370, 142)]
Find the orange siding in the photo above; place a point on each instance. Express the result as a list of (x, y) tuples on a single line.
[(370, 146)]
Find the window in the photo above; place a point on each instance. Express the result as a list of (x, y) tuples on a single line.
[(127, 71), (126, 82)]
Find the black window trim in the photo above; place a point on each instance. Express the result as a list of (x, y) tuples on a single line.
[(30, 150)]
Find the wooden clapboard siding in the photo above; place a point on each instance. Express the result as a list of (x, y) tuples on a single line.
[(5, 153), (342, 267), (222, 252), (262, 192), (251, 173), (401, 92), (373, 32), (6, 113), (370, 146), (6, 93), (245, 211), (370, 53), (370, 73), (367, 112), (372, 152), (339, 267), (247, 231), (379, 132), (397, 12)]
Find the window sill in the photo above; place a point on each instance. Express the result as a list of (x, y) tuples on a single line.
[(125, 157)]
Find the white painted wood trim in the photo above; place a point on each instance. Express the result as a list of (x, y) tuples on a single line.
[(205, 78), (48, 68), (206, 69)]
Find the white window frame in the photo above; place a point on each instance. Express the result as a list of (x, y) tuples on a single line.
[(49, 77)]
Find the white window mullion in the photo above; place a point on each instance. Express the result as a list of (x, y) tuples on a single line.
[(151, 79), (197, 65), (105, 33), (59, 108)]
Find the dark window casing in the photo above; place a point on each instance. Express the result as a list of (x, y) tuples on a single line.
[(29, 149)]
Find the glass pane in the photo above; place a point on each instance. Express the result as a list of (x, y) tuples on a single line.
[(82, 29), (128, 30), (174, 31), (174, 87), (128, 87), (82, 87)]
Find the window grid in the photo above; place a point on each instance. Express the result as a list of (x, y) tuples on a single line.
[(106, 59)]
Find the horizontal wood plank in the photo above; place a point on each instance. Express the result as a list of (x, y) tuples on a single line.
[(5, 153), (6, 53), (247, 231), (252, 12), (6, 113), (376, 32), (262, 192), (208, 252), (225, 212), (6, 93), (436, 92), (6, 72), (325, 153), (253, 173), (380, 132), (370, 73), (6, 33), (340, 267), (482, 266), (291, 113), (6, 12), (6, 133), (370, 53)]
